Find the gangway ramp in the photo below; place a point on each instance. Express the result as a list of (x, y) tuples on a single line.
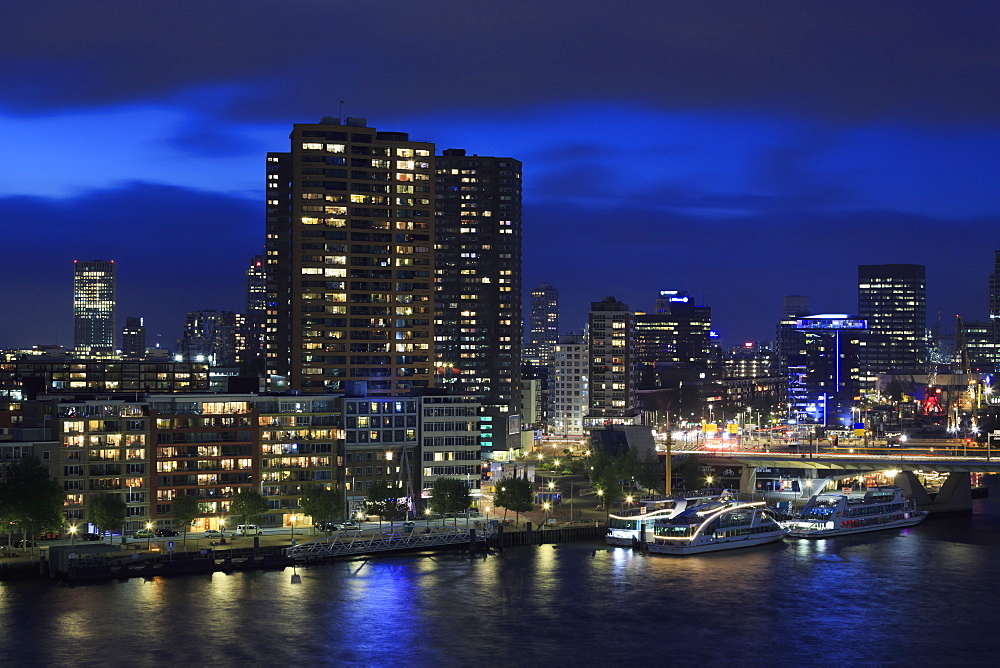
[(359, 543)]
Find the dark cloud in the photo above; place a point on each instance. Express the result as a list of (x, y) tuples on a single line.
[(850, 60), (743, 266), (177, 250)]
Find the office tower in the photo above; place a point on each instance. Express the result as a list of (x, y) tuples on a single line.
[(350, 234), (995, 287), (543, 324), (210, 336), (477, 307), (789, 341), (133, 339), (676, 335), (827, 374), (94, 308), (250, 356), (568, 390), (892, 298), (612, 372), (794, 306)]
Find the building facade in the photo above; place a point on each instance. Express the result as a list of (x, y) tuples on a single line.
[(94, 301), (827, 370), (477, 278), (892, 299), (677, 334), (543, 324), (133, 339), (612, 371), (349, 260), (569, 391)]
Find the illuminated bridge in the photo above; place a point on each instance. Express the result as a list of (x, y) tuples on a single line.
[(816, 470)]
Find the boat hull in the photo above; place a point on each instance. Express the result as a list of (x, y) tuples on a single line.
[(716, 544), (916, 518)]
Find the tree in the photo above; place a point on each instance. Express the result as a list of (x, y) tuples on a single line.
[(449, 495), (378, 501), (692, 475), (514, 494), (320, 502), (31, 498), (607, 475), (396, 510), (648, 472), (185, 510), (107, 511), (249, 505)]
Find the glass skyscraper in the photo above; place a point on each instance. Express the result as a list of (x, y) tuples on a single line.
[(94, 308)]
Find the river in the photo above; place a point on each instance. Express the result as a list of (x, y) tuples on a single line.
[(924, 596)]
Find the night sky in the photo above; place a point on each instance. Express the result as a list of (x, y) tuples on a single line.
[(738, 150)]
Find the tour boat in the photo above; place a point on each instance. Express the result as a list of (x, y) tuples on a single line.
[(718, 525), (838, 514), (635, 526)]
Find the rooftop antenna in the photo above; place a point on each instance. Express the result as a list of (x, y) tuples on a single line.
[(341, 112)]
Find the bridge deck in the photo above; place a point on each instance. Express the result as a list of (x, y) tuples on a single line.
[(855, 462)]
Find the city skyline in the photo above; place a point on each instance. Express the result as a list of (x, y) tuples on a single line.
[(740, 153)]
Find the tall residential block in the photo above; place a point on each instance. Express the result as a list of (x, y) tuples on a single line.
[(251, 355), (892, 298), (133, 339), (612, 371), (477, 278), (349, 260), (212, 336), (543, 324), (995, 287), (569, 386), (94, 308)]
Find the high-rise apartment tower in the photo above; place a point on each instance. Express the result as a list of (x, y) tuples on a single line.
[(477, 278), (350, 235), (543, 324)]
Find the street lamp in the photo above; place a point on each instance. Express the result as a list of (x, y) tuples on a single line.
[(149, 535), (546, 506), (72, 534)]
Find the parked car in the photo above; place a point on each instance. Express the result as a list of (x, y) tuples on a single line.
[(248, 530), (327, 526), (23, 543), (165, 532), (349, 524), (143, 533), (212, 533), (90, 536)]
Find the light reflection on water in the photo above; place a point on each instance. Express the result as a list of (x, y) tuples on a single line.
[(917, 597)]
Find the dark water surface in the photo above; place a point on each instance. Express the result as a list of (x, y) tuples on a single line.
[(925, 596)]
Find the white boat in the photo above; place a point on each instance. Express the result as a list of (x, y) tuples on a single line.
[(635, 526), (719, 525), (839, 514)]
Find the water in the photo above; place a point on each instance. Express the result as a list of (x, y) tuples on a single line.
[(918, 597)]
